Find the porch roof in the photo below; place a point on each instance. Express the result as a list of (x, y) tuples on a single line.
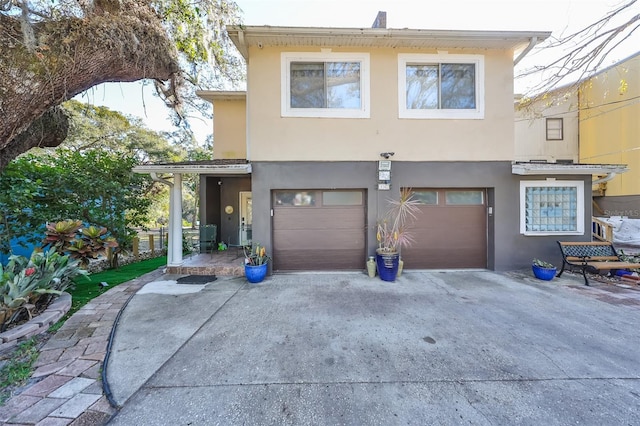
[(218, 167), (567, 169)]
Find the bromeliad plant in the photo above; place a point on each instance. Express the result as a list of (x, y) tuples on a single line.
[(255, 256), (393, 230), (82, 243), (28, 284)]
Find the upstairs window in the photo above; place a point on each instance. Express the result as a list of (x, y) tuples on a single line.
[(554, 129), (441, 86), (325, 85)]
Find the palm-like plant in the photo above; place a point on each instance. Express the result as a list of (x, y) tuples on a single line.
[(393, 229)]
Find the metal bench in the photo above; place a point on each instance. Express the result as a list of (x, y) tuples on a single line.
[(592, 257)]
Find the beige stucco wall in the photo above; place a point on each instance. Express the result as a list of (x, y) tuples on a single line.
[(610, 124), (274, 138), (530, 128), (229, 129)]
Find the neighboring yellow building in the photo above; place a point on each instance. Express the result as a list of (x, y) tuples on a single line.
[(610, 133), (597, 124)]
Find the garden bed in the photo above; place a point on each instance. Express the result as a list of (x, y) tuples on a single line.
[(36, 325)]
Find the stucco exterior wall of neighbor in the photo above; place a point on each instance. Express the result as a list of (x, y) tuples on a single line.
[(229, 124), (275, 138), (530, 128), (507, 248), (610, 124)]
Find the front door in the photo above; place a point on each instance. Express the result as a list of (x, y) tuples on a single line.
[(246, 218)]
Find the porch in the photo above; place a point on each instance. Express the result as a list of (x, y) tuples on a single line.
[(220, 263)]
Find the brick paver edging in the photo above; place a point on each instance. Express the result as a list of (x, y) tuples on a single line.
[(37, 325), (69, 389)]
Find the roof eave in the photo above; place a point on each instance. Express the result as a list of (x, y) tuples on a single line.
[(242, 36), (222, 95)]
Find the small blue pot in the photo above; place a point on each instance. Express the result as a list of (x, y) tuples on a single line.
[(546, 274), (255, 274)]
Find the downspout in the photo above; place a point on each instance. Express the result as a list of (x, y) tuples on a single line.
[(245, 54), (599, 186), (243, 43), (532, 42), (607, 178)]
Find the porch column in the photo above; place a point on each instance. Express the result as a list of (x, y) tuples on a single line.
[(174, 249)]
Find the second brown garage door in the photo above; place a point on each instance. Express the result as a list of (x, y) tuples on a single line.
[(318, 229), (450, 230)]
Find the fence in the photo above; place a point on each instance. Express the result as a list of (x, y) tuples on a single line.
[(154, 241)]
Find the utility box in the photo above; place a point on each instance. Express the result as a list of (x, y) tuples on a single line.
[(208, 236)]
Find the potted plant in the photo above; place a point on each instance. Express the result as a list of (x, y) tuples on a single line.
[(393, 233), (543, 270), (255, 263)]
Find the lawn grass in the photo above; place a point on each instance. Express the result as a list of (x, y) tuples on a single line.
[(18, 368), (89, 288)]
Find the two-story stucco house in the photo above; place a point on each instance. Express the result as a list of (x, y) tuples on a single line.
[(336, 121)]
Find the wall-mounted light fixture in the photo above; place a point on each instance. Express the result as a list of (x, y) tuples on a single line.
[(387, 154)]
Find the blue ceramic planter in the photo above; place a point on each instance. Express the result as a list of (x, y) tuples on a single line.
[(255, 274), (388, 266), (545, 274)]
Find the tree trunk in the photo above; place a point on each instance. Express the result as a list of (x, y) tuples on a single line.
[(49, 130), (70, 56)]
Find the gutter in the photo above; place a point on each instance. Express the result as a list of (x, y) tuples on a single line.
[(532, 42)]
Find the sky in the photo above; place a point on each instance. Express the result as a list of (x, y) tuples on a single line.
[(558, 16)]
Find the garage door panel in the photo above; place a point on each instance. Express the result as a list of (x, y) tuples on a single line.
[(348, 239), (437, 259), (448, 236), (337, 258), (319, 219), (320, 237)]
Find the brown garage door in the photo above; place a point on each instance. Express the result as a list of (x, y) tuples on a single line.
[(450, 230), (318, 230)]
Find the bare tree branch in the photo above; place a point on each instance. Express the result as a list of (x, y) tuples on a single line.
[(582, 53)]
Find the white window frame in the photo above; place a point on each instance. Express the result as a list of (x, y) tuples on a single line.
[(288, 57), (471, 114), (578, 184)]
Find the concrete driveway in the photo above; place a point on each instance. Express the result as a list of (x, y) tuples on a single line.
[(440, 348)]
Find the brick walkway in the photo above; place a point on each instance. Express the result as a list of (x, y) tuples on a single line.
[(70, 365)]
